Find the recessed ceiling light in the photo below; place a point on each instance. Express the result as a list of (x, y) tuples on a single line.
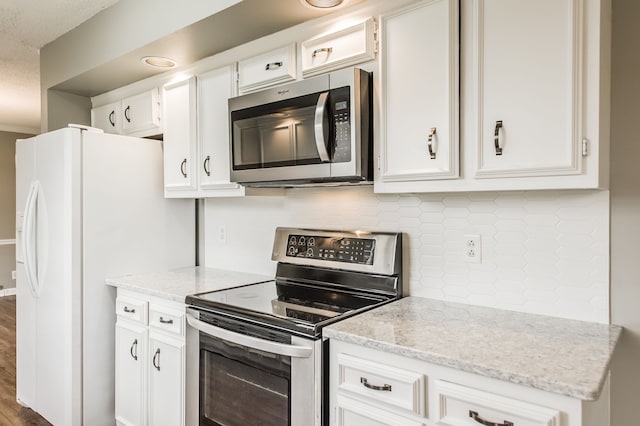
[(324, 4), (158, 62)]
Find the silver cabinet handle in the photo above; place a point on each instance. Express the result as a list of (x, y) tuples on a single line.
[(474, 415), (432, 153), (205, 165), (126, 113), (496, 137), (366, 384), (134, 345), (320, 50), (156, 359), (129, 310), (164, 321), (272, 66), (183, 168)]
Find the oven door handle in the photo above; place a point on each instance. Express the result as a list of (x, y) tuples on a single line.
[(250, 341)]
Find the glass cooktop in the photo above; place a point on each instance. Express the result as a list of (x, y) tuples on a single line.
[(294, 306)]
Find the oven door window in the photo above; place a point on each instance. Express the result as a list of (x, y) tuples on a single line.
[(242, 386)]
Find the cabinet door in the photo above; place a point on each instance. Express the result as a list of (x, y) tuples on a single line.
[(180, 138), (214, 90), (107, 118), (131, 367), (166, 380), (527, 67), (419, 80), (141, 114), (270, 68)]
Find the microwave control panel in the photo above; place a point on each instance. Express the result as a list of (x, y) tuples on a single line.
[(342, 124), (349, 250)]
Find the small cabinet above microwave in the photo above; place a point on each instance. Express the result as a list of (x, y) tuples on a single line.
[(308, 132)]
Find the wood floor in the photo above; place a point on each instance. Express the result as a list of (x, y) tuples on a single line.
[(11, 413)]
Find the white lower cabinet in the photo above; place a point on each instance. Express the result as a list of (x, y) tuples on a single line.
[(372, 387), (150, 361), (131, 358)]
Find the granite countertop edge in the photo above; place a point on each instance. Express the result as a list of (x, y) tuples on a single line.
[(172, 296), (587, 392)]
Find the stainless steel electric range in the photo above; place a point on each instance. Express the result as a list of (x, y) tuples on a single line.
[(262, 357)]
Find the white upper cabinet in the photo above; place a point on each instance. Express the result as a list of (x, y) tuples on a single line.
[(180, 137), (419, 94), (136, 115), (529, 87), (274, 67), (339, 49), (533, 99), (214, 89), (141, 114), (108, 118), (196, 137)]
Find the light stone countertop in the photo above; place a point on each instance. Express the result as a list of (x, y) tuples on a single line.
[(177, 284), (556, 355)]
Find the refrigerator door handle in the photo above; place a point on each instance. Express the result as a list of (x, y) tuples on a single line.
[(28, 228)]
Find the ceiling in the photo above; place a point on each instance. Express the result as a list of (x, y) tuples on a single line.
[(26, 26)]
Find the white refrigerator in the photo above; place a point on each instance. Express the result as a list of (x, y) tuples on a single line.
[(90, 205)]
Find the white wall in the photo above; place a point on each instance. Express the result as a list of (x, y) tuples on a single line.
[(544, 252)]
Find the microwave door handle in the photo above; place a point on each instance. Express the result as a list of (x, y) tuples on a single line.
[(321, 111), (250, 341)]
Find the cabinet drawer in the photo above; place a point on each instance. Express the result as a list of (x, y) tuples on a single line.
[(273, 67), (350, 412), (392, 386), (132, 308), (339, 49), (166, 319), (461, 405)]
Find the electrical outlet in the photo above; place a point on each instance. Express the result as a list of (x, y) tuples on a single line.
[(222, 234), (13, 275), (473, 248)]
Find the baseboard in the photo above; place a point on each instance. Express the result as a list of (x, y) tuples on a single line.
[(8, 292)]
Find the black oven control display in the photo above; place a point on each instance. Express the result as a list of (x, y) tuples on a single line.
[(349, 250)]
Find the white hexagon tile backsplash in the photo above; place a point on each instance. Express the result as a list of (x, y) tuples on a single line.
[(543, 252)]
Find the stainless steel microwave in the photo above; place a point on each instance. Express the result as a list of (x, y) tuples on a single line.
[(314, 131)]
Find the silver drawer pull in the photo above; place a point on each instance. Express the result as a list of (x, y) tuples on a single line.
[(129, 310), (366, 384), (475, 416), (432, 153), (272, 66), (322, 49), (164, 321)]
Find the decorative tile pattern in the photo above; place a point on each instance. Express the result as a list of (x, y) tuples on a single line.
[(543, 252)]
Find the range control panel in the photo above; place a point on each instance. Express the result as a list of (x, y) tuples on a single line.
[(349, 250)]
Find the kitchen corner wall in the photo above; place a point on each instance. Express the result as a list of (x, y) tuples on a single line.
[(543, 252), (8, 207)]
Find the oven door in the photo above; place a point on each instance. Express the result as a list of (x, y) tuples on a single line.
[(264, 377)]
